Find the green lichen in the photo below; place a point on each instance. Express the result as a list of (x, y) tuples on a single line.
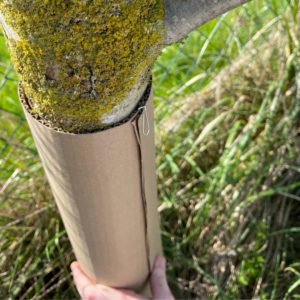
[(79, 58)]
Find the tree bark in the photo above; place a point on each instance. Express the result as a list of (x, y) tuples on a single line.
[(182, 17), (85, 64)]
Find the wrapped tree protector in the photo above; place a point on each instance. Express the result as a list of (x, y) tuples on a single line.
[(104, 184)]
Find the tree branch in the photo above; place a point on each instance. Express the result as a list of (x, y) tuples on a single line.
[(181, 17)]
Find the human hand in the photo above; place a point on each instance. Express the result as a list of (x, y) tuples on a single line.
[(91, 291)]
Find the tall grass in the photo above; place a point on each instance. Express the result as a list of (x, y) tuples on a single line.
[(227, 134)]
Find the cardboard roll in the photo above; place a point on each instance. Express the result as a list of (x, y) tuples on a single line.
[(104, 184)]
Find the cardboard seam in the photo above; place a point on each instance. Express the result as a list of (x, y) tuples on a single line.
[(143, 188)]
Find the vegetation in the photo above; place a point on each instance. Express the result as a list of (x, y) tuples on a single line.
[(228, 141)]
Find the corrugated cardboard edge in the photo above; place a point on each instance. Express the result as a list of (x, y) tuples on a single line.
[(104, 184), (137, 111)]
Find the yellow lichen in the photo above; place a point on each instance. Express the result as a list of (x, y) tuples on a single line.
[(98, 47)]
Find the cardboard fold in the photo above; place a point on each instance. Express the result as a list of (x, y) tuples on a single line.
[(104, 184)]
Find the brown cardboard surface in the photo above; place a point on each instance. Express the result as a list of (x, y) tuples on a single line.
[(104, 184)]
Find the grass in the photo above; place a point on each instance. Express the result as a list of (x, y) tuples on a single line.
[(227, 134)]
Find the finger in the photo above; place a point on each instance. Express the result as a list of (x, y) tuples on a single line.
[(79, 278), (102, 292), (158, 280), (90, 291)]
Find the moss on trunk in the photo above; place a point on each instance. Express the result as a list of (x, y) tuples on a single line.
[(77, 59)]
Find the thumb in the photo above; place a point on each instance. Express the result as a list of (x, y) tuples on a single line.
[(158, 280)]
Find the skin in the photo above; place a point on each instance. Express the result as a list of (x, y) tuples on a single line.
[(90, 291)]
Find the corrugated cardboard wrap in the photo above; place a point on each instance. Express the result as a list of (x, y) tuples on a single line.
[(104, 184)]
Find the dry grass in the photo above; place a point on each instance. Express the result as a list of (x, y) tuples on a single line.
[(230, 227)]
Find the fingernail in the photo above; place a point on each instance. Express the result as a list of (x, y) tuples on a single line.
[(160, 262)]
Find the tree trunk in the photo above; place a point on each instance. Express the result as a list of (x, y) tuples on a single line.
[(85, 64)]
